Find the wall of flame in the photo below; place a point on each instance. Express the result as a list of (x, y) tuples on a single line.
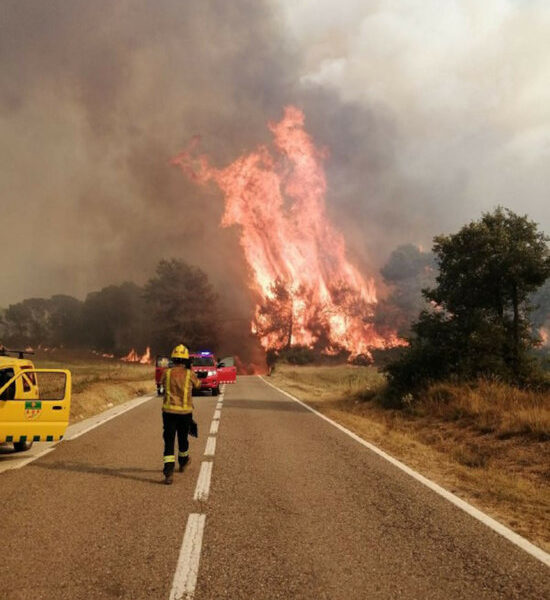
[(277, 197)]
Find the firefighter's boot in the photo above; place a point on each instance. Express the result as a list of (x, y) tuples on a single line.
[(169, 464), (183, 463)]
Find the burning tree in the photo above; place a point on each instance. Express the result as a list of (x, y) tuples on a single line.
[(299, 269), (275, 318)]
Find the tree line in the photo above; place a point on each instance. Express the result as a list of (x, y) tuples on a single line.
[(177, 303), (474, 306), (471, 307), (481, 318)]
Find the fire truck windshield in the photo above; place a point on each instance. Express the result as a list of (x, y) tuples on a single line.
[(203, 361)]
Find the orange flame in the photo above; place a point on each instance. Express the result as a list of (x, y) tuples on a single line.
[(134, 357), (278, 199), (543, 332), (146, 358)]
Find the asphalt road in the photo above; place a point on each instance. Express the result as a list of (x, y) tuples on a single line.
[(292, 508)]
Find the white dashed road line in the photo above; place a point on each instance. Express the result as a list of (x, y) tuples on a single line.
[(210, 446), (74, 431), (203, 482), (185, 577)]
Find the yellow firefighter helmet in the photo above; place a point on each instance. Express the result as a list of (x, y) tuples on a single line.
[(180, 352)]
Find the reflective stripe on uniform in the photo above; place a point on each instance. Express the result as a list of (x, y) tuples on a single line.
[(187, 406), (167, 389), (170, 458), (186, 392), (183, 454)]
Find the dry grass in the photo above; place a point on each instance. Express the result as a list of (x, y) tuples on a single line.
[(328, 382), (492, 407), (488, 444), (100, 384)]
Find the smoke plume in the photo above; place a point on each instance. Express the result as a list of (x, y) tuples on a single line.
[(430, 115)]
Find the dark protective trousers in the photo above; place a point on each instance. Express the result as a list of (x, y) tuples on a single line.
[(175, 424)]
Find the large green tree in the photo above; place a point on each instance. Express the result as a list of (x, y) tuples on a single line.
[(183, 307), (479, 322), (65, 322), (28, 322), (116, 319), (39, 321)]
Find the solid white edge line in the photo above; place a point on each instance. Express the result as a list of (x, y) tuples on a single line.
[(217, 415), (210, 446), (203, 482), (504, 531), (108, 415), (81, 427), (187, 569), (214, 427)]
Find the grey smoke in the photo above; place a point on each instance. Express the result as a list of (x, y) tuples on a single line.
[(96, 97)]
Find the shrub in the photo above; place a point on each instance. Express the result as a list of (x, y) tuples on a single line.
[(298, 355)]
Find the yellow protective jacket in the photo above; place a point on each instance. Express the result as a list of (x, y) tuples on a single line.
[(178, 383)]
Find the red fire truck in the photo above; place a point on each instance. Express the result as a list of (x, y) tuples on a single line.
[(211, 373)]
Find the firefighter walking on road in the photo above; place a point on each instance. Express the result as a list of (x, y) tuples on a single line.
[(177, 410)]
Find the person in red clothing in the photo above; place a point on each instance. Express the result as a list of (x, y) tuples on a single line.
[(177, 410)]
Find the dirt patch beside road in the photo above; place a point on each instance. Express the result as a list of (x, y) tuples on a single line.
[(501, 470)]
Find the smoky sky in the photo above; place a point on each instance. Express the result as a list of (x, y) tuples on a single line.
[(430, 117)]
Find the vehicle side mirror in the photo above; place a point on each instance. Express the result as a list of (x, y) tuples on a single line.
[(221, 365)]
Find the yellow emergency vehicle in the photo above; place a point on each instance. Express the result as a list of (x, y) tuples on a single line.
[(34, 403)]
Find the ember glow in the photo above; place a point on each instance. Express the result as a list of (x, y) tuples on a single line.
[(308, 292)]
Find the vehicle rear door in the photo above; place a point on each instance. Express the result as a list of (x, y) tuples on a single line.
[(227, 371), (35, 406)]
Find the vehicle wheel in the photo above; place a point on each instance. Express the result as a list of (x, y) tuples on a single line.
[(215, 391), (22, 446)]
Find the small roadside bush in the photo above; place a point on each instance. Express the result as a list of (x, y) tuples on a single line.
[(298, 355)]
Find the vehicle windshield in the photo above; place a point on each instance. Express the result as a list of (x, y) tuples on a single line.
[(203, 361)]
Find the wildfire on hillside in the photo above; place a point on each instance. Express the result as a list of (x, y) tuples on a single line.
[(134, 357), (308, 293), (544, 336)]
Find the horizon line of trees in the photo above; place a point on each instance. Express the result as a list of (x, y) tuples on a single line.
[(177, 303), (470, 307)]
